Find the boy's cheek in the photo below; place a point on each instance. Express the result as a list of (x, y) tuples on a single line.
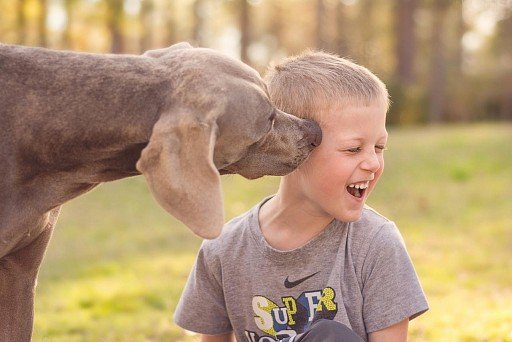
[(312, 164), (376, 179), (380, 170)]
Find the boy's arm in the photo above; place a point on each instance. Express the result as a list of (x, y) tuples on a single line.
[(218, 338), (202, 307), (394, 333), (391, 289)]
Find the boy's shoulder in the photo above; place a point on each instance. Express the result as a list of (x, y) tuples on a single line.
[(371, 217), (373, 225), (235, 234)]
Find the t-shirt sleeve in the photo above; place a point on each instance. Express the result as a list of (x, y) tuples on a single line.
[(202, 308), (391, 289)]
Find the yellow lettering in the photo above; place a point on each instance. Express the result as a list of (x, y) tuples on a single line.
[(262, 308), (327, 300), (291, 309)]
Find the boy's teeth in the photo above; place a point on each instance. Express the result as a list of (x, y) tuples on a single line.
[(359, 186)]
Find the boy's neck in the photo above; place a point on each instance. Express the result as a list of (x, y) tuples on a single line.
[(289, 221)]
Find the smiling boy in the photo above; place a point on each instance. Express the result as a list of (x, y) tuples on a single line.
[(313, 262)]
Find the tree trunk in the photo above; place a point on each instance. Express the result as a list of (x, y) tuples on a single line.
[(405, 41), (320, 39), (146, 24), (506, 105), (506, 53), (457, 87), (365, 19), (461, 30), (245, 34), (67, 35), (170, 23), (197, 30), (341, 44), (21, 23), (115, 19), (436, 88), (276, 25), (41, 21)]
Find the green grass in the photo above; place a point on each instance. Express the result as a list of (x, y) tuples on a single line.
[(117, 263)]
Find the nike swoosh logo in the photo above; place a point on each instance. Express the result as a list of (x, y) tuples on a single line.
[(289, 284)]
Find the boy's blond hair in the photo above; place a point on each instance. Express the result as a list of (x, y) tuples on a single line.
[(308, 84)]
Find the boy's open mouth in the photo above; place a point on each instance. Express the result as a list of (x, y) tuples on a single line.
[(358, 189)]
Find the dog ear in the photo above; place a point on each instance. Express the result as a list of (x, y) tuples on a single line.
[(178, 167), (162, 52)]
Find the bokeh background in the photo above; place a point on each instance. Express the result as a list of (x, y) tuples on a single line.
[(117, 263)]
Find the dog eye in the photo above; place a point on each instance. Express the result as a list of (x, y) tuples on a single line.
[(272, 116), (272, 119)]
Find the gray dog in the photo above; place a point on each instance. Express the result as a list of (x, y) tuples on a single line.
[(69, 121)]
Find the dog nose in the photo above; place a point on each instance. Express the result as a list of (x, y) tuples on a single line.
[(313, 133)]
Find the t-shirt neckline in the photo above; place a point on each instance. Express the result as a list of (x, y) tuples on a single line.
[(310, 246)]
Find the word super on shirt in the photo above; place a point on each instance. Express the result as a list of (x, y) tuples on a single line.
[(357, 273), (293, 316)]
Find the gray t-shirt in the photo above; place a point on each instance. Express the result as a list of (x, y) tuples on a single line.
[(357, 273)]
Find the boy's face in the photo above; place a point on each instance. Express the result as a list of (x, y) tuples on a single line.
[(339, 175)]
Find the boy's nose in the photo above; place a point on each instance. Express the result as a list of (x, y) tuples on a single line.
[(371, 162)]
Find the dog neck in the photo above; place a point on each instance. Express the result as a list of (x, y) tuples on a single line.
[(77, 120)]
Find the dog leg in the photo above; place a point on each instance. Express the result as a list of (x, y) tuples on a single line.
[(18, 273)]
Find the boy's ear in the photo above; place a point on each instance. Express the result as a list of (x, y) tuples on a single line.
[(178, 167)]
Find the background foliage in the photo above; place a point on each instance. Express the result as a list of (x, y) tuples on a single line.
[(443, 60)]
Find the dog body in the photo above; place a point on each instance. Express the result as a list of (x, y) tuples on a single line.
[(70, 121), (45, 161)]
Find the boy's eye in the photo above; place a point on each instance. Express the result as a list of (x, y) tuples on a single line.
[(380, 148)]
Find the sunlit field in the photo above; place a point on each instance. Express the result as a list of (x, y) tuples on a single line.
[(117, 263)]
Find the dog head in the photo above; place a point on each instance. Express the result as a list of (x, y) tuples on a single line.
[(220, 121)]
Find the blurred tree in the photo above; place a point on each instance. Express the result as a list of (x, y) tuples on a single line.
[(275, 26), (366, 24), (41, 23), (502, 48), (460, 30), (297, 31), (403, 88), (21, 22), (441, 59), (115, 15), (437, 72), (171, 26), (405, 36), (67, 34), (457, 107), (198, 9), (275, 19), (341, 46), (146, 25), (320, 23), (245, 30)]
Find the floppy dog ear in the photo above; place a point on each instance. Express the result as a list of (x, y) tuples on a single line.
[(178, 167), (157, 53)]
